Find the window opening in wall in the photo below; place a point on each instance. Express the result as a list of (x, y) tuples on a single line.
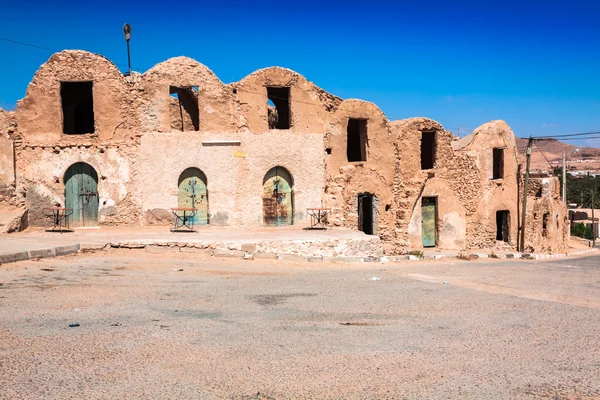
[(78, 107), (328, 151), (427, 150), (278, 107), (365, 213), (498, 163), (357, 140), (502, 225), (538, 193), (545, 220), (183, 108)]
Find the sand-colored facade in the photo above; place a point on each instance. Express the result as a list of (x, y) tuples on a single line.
[(139, 133)]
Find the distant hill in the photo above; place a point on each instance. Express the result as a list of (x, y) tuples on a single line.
[(587, 158)]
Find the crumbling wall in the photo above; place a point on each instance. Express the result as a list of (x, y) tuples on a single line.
[(44, 151), (40, 117), (453, 180), (7, 163), (42, 181), (547, 224), (347, 180), (217, 109), (309, 105), (139, 150), (494, 194)]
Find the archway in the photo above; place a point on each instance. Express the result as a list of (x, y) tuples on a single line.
[(81, 194), (278, 202), (192, 193)]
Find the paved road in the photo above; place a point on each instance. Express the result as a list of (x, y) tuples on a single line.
[(232, 328)]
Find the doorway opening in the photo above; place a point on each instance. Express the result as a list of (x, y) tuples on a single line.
[(277, 198), (429, 221), (356, 149), (192, 193), (183, 108), (77, 102), (366, 210), (278, 107), (81, 194), (502, 225)]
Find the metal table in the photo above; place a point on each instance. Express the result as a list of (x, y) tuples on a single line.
[(184, 219), (59, 217), (317, 215)]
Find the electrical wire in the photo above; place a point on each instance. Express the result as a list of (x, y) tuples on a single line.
[(544, 155)]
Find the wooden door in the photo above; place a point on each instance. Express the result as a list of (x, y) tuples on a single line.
[(81, 194), (192, 193), (429, 221), (277, 198)]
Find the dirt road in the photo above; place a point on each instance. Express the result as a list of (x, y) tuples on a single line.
[(264, 329)]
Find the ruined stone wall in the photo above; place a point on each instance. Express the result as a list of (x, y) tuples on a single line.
[(347, 180), (547, 226), (218, 110), (7, 128), (139, 151), (311, 106), (234, 172), (43, 185), (494, 194), (461, 181), (449, 172), (44, 152)]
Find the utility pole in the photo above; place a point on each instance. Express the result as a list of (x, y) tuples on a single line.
[(525, 190), (593, 223), (564, 182)]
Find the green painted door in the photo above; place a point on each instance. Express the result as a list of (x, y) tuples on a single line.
[(81, 194), (192, 193), (429, 221), (277, 198)]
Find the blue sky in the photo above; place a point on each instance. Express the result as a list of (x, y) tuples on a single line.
[(535, 64)]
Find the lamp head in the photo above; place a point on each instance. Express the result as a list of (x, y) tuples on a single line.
[(127, 31)]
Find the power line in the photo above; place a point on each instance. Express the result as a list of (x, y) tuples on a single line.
[(567, 135), (544, 155)]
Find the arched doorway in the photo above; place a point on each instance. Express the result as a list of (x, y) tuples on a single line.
[(192, 193), (278, 202), (81, 194)]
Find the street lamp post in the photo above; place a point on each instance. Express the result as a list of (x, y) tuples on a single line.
[(127, 33)]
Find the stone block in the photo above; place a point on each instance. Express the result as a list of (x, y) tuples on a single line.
[(291, 257), (13, 257), (41, 253), (65, 250), (270, 256), (249, 247), (228, 253)]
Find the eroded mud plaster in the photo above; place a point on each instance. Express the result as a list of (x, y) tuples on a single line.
[(341, 154)]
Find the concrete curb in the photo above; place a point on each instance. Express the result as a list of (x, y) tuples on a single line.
[(248, 254), (39, 253)]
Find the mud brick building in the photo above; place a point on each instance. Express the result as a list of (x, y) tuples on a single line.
[(258, 152)]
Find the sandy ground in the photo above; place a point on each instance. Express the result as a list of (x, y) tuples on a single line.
[(496, 329)]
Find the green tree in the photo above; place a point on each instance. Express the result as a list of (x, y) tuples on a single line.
[(582, 231)]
